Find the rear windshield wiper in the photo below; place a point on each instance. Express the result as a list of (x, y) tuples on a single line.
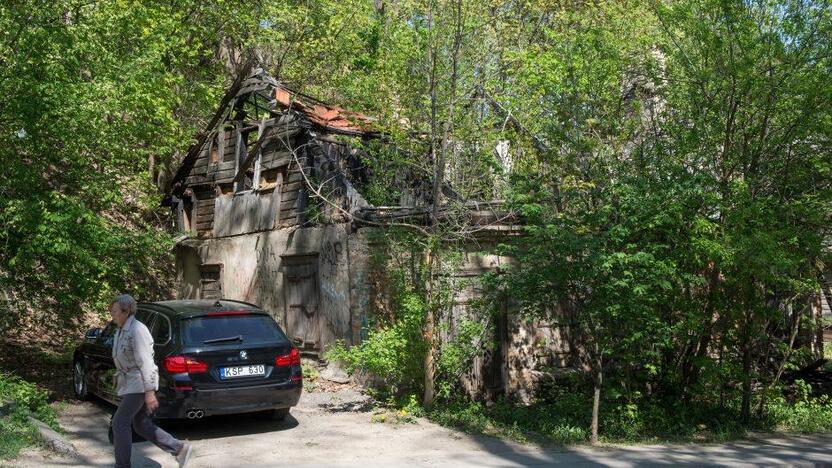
[(228, 338)]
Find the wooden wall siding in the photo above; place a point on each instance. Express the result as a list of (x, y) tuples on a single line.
[(350, 159), (204, 173), (273, 159), (293, 194), (230, 143), (329, 166), (245, 212), (250, 211), (209, 174), (204, 214)]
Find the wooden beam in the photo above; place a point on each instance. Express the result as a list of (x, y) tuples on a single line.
[(255, 184), (252, 155)]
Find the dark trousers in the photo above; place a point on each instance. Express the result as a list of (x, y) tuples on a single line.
[(131, 412)]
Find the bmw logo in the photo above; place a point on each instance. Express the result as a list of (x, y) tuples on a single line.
[(243, 355)]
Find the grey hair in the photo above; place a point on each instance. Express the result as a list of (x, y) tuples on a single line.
[(126, 302)]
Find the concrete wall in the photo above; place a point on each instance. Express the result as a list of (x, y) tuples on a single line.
[(322, 284), (255, 269)]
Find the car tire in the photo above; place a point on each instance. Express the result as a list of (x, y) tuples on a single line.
[(277, 414), (79, 380)]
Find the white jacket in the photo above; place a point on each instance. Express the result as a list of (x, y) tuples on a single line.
[(133, 356)]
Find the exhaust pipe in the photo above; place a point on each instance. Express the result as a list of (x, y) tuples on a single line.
[(191, 414), (198, 414)]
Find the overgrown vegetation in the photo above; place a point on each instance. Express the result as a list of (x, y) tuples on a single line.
[(392, 357), (20, 400), (565, 420), (670, 162)]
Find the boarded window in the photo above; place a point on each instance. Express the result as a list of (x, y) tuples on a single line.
[(203, 219), (185, 212), (210, 281)]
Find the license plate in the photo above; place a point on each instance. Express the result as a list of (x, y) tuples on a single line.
[(242, 371)]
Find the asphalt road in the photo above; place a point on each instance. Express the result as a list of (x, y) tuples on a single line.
[(331, 429)]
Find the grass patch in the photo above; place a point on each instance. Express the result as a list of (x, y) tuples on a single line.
[(310, 377), (566, 420), (21, 399), (402, 410)]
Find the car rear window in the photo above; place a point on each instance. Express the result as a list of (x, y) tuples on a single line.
[(253, 329)]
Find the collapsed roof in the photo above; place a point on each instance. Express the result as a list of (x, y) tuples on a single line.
[(275, 98)]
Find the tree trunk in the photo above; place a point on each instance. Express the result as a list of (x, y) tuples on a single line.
[(746, 371), (430, 391), (690, 372), (596, 403), (795, 318)]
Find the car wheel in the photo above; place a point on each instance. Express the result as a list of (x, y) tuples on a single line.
[(276, 414), (79, 380)]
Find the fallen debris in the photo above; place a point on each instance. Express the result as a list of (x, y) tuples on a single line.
[(333, 373)]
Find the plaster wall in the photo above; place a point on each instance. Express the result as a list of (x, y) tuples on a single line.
[(254, 270)]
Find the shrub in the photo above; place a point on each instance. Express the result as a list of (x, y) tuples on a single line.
[(806, 415), (24, 399), (393, 353)]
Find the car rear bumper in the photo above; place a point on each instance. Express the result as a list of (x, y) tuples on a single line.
[(175, 404)]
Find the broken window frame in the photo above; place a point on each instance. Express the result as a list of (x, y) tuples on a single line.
[(186, 212), (243, 154), (216, 147), (223, 134)]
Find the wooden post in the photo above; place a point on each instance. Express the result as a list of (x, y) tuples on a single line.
[(221, 142), (277, 197), (255, 184)]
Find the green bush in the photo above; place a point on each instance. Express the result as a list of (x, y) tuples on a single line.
[(806, 415), (564, 418), (24, 399), (394, 353)]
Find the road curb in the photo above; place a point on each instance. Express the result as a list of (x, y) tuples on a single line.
[(55, 441)]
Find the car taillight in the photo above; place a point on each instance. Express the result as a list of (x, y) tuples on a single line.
[(290, 359), (179, 364)]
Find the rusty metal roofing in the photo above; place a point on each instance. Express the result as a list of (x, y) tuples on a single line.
[(333, 118)]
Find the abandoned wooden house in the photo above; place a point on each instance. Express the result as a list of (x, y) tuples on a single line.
[(259, 232)]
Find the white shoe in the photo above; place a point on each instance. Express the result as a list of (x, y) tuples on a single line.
[(184, 455)]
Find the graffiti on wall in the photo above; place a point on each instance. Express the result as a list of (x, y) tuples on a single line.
[(333, 297), (331, 253)]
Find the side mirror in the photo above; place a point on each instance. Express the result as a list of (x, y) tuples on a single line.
[(92, 333)]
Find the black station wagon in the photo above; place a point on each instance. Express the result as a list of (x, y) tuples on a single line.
[(214, 357)]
